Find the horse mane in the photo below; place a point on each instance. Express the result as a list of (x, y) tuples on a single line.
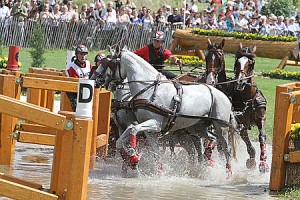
[(134, 59), (247, 51)]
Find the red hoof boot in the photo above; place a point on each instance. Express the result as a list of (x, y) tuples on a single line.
[(263, 153), (251, 163), (133, 160), (210, 163), (229, 170), (263, 167), (159, 169)]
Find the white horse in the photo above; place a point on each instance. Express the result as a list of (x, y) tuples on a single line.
[(160, 106)]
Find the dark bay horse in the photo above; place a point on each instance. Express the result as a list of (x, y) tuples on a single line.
[(248, 102)]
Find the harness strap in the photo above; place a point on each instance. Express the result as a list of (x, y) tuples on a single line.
[(176, 107)]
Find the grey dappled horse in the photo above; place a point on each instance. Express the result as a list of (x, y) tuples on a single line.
[(160, 105), (124, 117)]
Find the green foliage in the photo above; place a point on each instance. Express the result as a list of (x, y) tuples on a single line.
[(4, 61), (279, 7), (277, 73), (246, 36), (36, 43), (295, 132)]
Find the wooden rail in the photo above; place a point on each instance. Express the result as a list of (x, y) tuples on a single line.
[(74, 149), (286, 112)]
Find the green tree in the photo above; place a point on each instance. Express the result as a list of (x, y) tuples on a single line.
[(279, 7), (36, 42)]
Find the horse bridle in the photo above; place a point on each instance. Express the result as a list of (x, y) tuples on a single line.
[(219, 53), (251, 66)]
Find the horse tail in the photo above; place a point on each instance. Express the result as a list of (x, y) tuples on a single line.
[(233, 132)]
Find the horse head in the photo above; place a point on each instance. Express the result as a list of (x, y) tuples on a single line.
[(112, 68), (244, 66), (215, 63)]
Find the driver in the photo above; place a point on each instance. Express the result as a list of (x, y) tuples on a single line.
[(80, 67), (155, 54), (98, 60)]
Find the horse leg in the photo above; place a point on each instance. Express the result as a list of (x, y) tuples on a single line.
[(250, 163), (130, 134), (260, 122), (222, 130)]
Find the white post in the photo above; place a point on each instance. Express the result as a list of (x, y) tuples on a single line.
[(184, 3), (85, 95)]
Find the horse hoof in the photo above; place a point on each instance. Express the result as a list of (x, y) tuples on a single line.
[(133, 160), (229, 170), (124, 170), (263, 167), (251, 163)]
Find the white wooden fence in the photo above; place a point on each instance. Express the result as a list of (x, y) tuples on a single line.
[(66, 35)]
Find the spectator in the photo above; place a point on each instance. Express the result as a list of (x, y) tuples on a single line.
[(130, 4), (19, 11), (99, 10), (10, 5), (56, 12), (65, 16), (254, 25), (135, 19), (90, 14), (160, 18), (193, 6), (83, 9), (45, 14), (282, 26), (110, 18), (123, 17), (293, 28), (209, 19), (113, 13), (4, 10), (155, 54), (242, 24), (148, 21), (167, 11), (142, 13), (189, 23), (119, 4), (41, 6), (175, 18), (274, 28), (265, 26), (197, 21), (230, 22), (79, 68), (34, 13), (32, 4), (221, 24), (27, 5)]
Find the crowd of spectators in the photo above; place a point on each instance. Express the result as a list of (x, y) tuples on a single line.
[(235, 15)]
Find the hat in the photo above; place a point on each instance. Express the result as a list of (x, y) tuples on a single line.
[(187, 12), (242, 12), (292, 18), (208, 10), (92, 5), (168, 6), (255, 17)]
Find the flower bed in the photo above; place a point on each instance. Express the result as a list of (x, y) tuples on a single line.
[(4, 61), (282, 74), (269, 49), (295, 135)]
